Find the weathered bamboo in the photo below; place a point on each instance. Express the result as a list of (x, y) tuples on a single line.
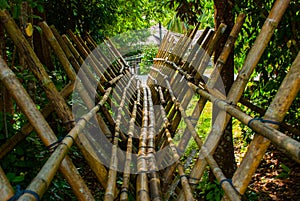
[(176, 180), (86, 150), (6, 190), (27, 128), (153, 170), (291, 146), (229, 190), (126, 175), (215, 75), (239, 85), (57, 49), (41, 127), (112, 174), (185, 184), (74, 51), (43, 179), (276, 111), (142, 189), (202, 64), (291, 129), (35, 65)]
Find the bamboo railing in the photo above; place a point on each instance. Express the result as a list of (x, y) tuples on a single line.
[(138, 121)]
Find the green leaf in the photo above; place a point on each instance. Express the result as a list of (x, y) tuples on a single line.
[(40, 8), (18, 179), (3, 4)]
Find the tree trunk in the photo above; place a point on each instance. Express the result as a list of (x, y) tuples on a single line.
[(224, 154)]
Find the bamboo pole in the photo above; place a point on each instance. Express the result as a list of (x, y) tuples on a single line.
[(6, 190), (35, 65), (288, 127), (153, 170), (239, 85), (112, 174), (126, 175), (280, 140), (229, 190), (42, 128), (27, 128), (57, 49), (43, 179), (142, 189), (276, 111)]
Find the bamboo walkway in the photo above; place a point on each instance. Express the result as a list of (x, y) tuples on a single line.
[(125, 127)]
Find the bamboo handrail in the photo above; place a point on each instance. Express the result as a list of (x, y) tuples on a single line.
[(43, 179)]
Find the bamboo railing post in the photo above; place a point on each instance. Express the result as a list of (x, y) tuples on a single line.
[(275, 112), (42, 128), (239, 85)]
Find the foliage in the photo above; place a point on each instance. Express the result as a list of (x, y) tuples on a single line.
[(149, 52), (278, 56)]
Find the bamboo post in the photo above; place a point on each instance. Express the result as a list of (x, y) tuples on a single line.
[(239, 85), (42, 128), (275, 112), (43, 179), (6, 190)]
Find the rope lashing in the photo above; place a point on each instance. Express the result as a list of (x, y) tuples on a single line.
[(55, 144), (263, 121), (20, 192), (230, 182)]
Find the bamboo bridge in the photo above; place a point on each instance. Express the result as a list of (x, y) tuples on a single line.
[(135, 142)]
